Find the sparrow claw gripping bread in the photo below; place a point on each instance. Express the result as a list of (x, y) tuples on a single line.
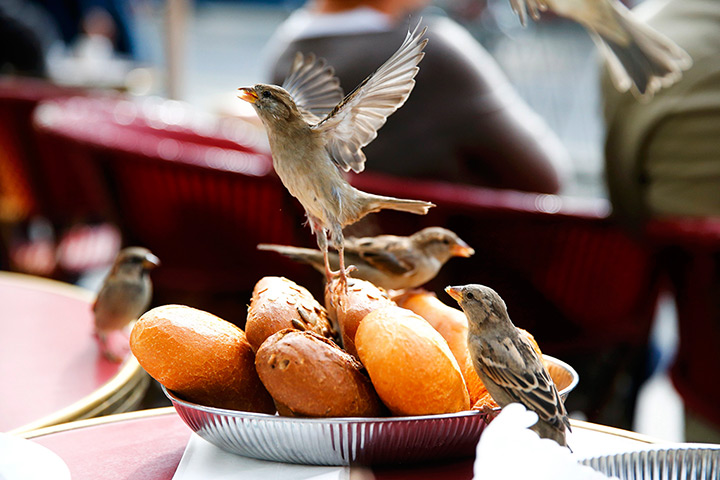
[(347, 309)]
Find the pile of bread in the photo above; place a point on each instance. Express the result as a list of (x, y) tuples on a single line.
[(366, 353)]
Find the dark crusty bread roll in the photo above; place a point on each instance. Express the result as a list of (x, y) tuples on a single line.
[(278, 303), (308, 375)]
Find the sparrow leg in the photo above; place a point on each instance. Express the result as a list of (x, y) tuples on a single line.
[(338, 240), (321, 236)]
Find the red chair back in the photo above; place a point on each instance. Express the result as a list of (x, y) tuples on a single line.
[(568, 273), (690, 255), (22, 179)]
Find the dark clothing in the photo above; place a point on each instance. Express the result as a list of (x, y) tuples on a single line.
[(24, 38), (463, 122), (68, 15)]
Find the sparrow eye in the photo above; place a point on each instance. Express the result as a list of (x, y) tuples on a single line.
[(266, 94), (470, 296)]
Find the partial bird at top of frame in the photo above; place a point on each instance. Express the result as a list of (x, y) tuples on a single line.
[(639, 58)]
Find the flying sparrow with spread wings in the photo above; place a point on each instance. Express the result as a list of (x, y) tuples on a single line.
[(315, 133), (389, 261), (639, 58), (124, 296), (507, 363)]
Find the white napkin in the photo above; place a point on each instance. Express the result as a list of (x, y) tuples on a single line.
[(22, 459), (508, 450), (203, 460)]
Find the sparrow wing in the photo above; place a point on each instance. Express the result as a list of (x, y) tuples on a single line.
[(313, 86), (384, 253), (527, 381), (354, 122)]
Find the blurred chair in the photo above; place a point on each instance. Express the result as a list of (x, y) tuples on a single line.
[(193, 188), (569, 274), (690, 255), (42, 198), (21, 198)]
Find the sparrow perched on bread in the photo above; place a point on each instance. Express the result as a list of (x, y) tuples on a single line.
[(388, 261), (639, 58), (315, 134), (124, 296), (507, 363)]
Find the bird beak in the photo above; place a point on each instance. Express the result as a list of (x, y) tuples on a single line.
[(454, 292), (248, 94), (151, 261), (461, 249)]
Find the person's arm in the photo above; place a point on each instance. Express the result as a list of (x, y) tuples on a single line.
[(502, 141)]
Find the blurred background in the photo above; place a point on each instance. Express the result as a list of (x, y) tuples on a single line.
[(553, 63)]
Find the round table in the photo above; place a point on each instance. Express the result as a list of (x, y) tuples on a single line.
[(149, 444), (50, 366)]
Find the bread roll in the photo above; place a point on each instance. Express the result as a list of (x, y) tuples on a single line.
[(410, 364), (532, 340), (485, 403), (452, 324), (278, 303), (200, 357), (308, 375), (349, 308)]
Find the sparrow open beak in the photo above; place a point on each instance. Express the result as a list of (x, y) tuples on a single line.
[(454, 292), (150, 261), (248, 94), (461, 249)]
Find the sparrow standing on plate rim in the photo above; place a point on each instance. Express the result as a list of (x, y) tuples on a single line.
[(389, 261), (507, 363), (639, 58), (315, 133), (124, 296)]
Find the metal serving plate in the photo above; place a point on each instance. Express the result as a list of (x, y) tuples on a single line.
[(689, 462), (345, 441)]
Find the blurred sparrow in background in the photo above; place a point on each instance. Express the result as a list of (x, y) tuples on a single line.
[(507, 363), (314, 132), (389, 261), (639, 58), (124, 296)]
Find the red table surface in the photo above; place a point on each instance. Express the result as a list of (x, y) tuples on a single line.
[(137, 448), (150, 447), (48, 356)]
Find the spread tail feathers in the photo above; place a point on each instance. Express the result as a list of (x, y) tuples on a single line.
[(646, 62)]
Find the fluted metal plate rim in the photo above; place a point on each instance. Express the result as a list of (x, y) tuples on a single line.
[(341, 440), (689, 461)]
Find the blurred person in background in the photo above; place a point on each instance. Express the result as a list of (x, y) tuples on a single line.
[(663, 160), (663, 156), (37, 35), (26, 34), (463, 122), (79, 19)]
